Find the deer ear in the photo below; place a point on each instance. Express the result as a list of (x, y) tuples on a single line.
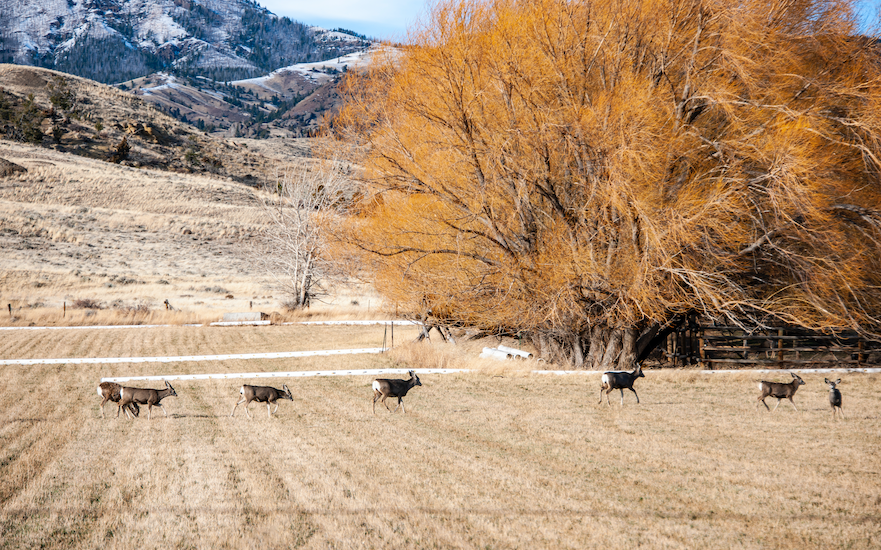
[(838, 381)]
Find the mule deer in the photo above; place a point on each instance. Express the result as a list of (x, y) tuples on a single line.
[(110, 392), (780, 391), (835, 397), (262, 394), (145, 396), (618, 380), (390, 387)]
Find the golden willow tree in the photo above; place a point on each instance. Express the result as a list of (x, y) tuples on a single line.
[(587, 171)]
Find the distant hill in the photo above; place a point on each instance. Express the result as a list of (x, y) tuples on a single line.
[(291, 101), (224, 66), (112, 41), (86, 118)]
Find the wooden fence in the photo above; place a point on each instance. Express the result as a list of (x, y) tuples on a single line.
[(717, 346)]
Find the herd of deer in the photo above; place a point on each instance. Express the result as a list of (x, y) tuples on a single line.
[(130, 399)]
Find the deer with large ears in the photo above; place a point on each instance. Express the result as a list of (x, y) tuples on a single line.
[(780, 391), (618, 380), (834, 397), (262, 394), (144, 396), (391, 387)]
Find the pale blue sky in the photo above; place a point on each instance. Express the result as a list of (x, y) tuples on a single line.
[(377, 18), (388, 18)]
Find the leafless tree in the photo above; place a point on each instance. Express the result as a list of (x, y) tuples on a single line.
[(306, 199)]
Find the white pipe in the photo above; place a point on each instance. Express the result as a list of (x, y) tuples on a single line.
[(181, 359), (289, 374)]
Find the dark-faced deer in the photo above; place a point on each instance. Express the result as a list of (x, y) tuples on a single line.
[(835, 397), (109, 391), (390, 387), (262, 394), (144, 396), (779, 390), (618, 380)]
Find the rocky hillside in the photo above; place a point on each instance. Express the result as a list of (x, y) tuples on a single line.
[(89, 119), (291, 101)]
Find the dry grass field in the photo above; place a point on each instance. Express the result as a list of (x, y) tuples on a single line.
[(497, 458)]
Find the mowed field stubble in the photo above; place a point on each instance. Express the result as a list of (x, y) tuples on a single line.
[(495, 458)]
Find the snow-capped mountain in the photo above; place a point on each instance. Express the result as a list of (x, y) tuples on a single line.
[(117, 40)]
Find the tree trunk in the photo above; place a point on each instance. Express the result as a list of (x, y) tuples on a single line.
[(577, 351), (612, 351), (628, 349), (306, 283), (597, 345), (612, 348)]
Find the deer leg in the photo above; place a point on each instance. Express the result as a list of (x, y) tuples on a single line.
[(793, 404), (778, 403), (841, 412), (242, 400), (268, 410), (386, 404), (276, 408), (125, 408), (636, 394), (762, 401), (102, 406), (163, 409), (601, 395), (149, 411)]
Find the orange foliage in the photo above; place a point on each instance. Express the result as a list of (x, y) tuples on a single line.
[(557, 165)]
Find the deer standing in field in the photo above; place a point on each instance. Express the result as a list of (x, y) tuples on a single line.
[(262, 394), (780, 391), (110, 392), (145, 396), (390, 387), (618, 380), (835, 397)]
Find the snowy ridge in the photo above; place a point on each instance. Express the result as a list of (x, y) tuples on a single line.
[(320, 71), (191, 34)]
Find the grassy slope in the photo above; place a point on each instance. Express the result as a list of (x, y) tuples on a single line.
[(490, 459), (73, 229)]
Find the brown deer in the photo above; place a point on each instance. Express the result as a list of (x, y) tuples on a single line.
[(780, 391), (834, 397), (618, 380), (110, 392), (262, 394), (145, 396), (389, 387)]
